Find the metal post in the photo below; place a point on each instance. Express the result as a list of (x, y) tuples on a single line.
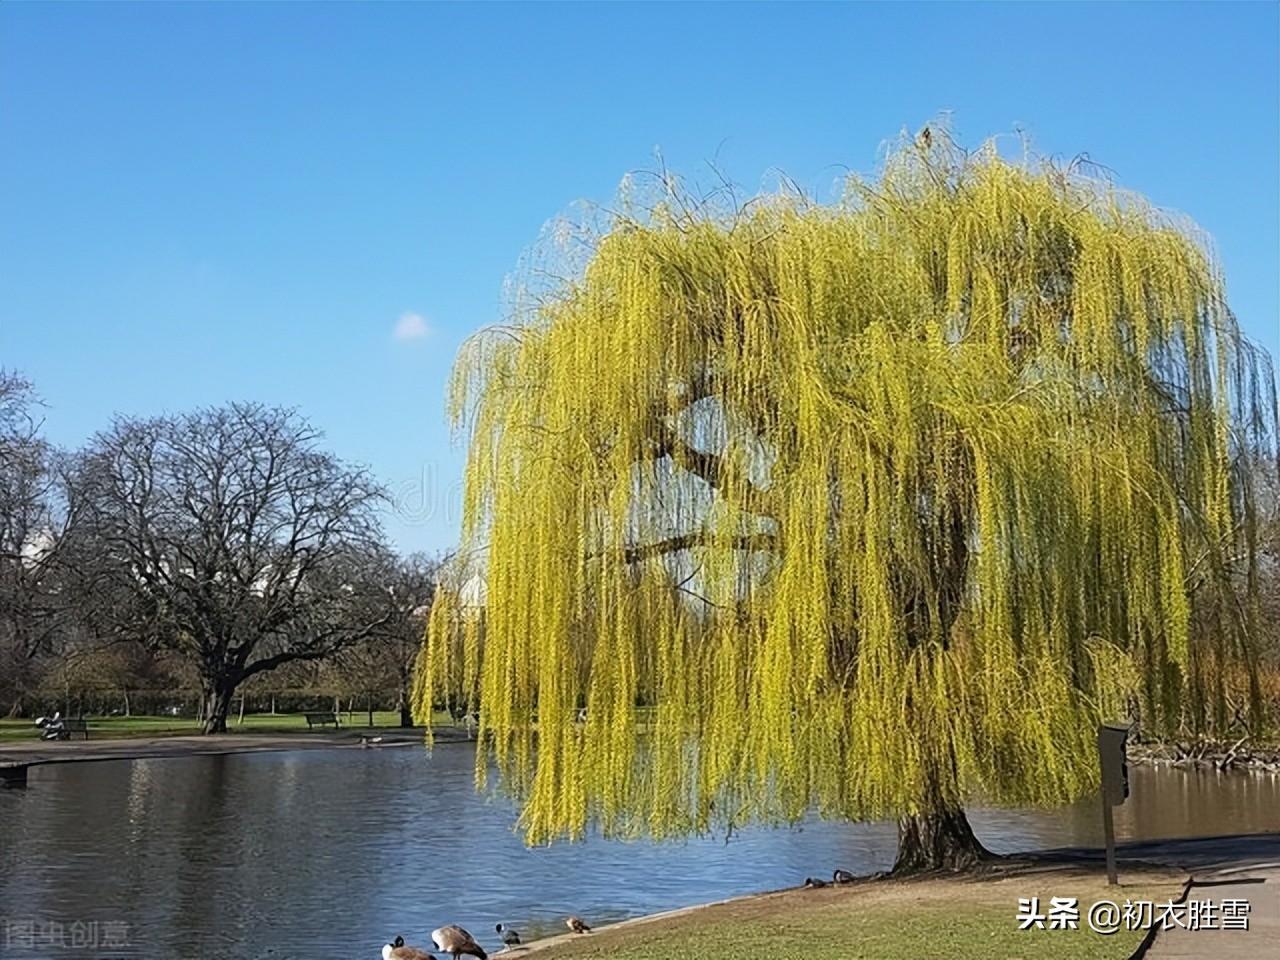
[(1109, 837), (1115, 785)]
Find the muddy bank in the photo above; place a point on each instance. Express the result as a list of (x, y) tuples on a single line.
[(1240, 754)]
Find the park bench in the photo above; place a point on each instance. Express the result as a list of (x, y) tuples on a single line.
[(320, 719)]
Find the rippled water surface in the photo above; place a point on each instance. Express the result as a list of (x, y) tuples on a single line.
[(329, 853)]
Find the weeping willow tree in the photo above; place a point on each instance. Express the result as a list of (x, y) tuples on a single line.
[(871, 507)]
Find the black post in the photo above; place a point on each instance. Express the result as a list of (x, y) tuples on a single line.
[(1109, 837), (1115, 785)]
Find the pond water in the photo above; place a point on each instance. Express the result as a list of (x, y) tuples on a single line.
[(327, 854)]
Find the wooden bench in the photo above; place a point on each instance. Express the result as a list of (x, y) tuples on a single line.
[(320, 719), (72, 725)]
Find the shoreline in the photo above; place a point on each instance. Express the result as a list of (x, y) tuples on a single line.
[(1221, 864), (1242, 754), (22, 755), (1207, 755)]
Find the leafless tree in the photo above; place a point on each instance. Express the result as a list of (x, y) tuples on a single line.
[(35, 520), (410, 594), (230, 536), (384, 662)]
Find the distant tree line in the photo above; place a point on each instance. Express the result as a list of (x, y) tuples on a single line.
[(197, 559)]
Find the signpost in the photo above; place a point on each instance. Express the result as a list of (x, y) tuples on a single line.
[(1115, 784)]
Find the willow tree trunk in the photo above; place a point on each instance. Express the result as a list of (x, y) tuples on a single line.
[(938, 840), (938, 837)]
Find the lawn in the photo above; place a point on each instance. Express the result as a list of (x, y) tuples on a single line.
[(912, 920), (112, 727)]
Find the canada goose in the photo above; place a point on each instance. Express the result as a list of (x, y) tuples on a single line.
[(366, 741), (842, 876), (814, 883), (396, 950), (455, 941), (510, 938), (577, 925)]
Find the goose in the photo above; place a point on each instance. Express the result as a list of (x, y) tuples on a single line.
[(842, 876), (367, 741), (577, 925), (455, 941), (510, 938), (396, 950), (814, 883)]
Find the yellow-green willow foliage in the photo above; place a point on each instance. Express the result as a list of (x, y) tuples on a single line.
[(871, 506)]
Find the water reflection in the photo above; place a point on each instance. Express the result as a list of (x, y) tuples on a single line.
[(329, 853)]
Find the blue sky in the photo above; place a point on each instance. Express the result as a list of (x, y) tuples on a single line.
[(201, 203)]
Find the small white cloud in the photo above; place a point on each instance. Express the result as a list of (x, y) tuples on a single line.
[(411, 326)]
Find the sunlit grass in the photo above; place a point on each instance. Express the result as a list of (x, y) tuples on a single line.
[(955, 919)]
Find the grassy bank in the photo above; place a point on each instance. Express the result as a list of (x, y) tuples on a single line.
[(103, 728), (948, 918)]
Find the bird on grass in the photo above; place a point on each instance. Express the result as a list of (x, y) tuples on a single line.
[(577, 925), (842, 876), (397, 950), (510, 938), (814, 883), (456, 942)]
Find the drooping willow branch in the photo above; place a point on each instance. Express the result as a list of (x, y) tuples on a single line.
[(869, 506)]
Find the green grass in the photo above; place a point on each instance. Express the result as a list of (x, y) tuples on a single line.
[(113, 727), (952, 919)]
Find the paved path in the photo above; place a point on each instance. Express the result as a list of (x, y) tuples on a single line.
[(1259, 886), (1233, 867), (1200, 856)]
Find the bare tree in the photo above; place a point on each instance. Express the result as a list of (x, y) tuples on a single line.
[(384, 662), (410, 593), (35, 521), (229, 536)]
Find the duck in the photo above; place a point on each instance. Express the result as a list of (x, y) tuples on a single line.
[(510, 938), (577, 925), (367, 741), (455, 941), (397, 950)]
